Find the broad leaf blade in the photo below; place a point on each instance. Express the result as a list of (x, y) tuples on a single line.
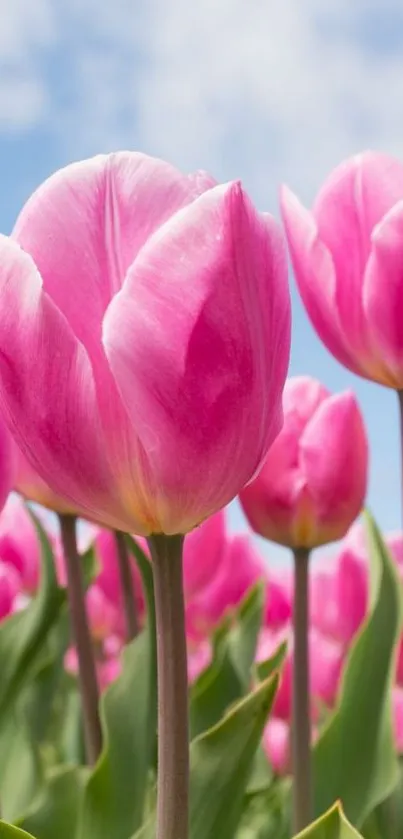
[(221, 761), (54, 814), (354, 759)]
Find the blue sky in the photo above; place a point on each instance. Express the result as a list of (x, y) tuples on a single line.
[(265, 90)]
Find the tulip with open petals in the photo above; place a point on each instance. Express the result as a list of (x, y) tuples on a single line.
[(144, 340), (312, 485), (347, 256)]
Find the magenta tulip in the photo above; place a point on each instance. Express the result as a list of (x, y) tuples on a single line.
[(28, 483), (10, 589), (347, 256), (19, 543), (339, 589), (312, 485), (144, 340), (326, 659), (276, 743)]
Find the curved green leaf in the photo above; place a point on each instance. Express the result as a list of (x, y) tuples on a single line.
[(8, 831), (332, 825), (54, 814), (23, 634), (221, 761), (228, 677), (115, 795), (354, 759)]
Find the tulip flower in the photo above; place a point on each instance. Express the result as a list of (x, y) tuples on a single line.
[(144, 340), (308, 492), (19, 543), (276, 743), (10, 589), (347, 255), (312, 485), (339, 590), (144, 344)]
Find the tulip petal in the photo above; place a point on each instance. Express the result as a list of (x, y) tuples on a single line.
[(203, 553), (46, 387), (337, 491), (315, 276), (85, 224), (205, 297), (383, 294), (352, 201)]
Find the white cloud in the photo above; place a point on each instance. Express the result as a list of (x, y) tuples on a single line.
[(265, 90)]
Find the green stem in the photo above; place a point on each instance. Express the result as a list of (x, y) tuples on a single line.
[(126, 582), (301, 720), (82, 638), (173, 731)]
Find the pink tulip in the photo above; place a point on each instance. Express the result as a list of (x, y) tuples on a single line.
[(19, 543), (397, 715), (28, 483), (144, 340), (312, 485), (326, 660), (239, 569), (103, 615), (276, 743), (7, 464), (339, 592), (199, 657), (203, 553), (108, 579), (10, 589), (347, 256)]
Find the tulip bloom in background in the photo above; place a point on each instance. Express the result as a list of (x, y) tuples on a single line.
[(312, 485), (347, 255), (311, 488)]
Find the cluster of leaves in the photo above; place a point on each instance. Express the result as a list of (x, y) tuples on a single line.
[(46, 792)]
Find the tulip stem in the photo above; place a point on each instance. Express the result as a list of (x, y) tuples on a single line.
[(301, 721), (173, 732), (126, 582), (86, 662)]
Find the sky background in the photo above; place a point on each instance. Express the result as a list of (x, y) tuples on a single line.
[(268, 91)]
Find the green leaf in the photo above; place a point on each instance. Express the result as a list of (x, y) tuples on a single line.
[(115, 795), (332, 825), (354, 759), (266, 668), (221, 761), (23, 634), (8, 831), (228, 676), (265, 814), (21, 773), (243, 636), (54, 814)]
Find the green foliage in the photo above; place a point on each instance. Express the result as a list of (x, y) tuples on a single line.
[(355, 759), (115, 795)]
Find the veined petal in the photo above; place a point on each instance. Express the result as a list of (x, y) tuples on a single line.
[(338, 491), (190, 340), (85, 224), (316, 279), (383, 294), (351, 202), (47, 389)]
